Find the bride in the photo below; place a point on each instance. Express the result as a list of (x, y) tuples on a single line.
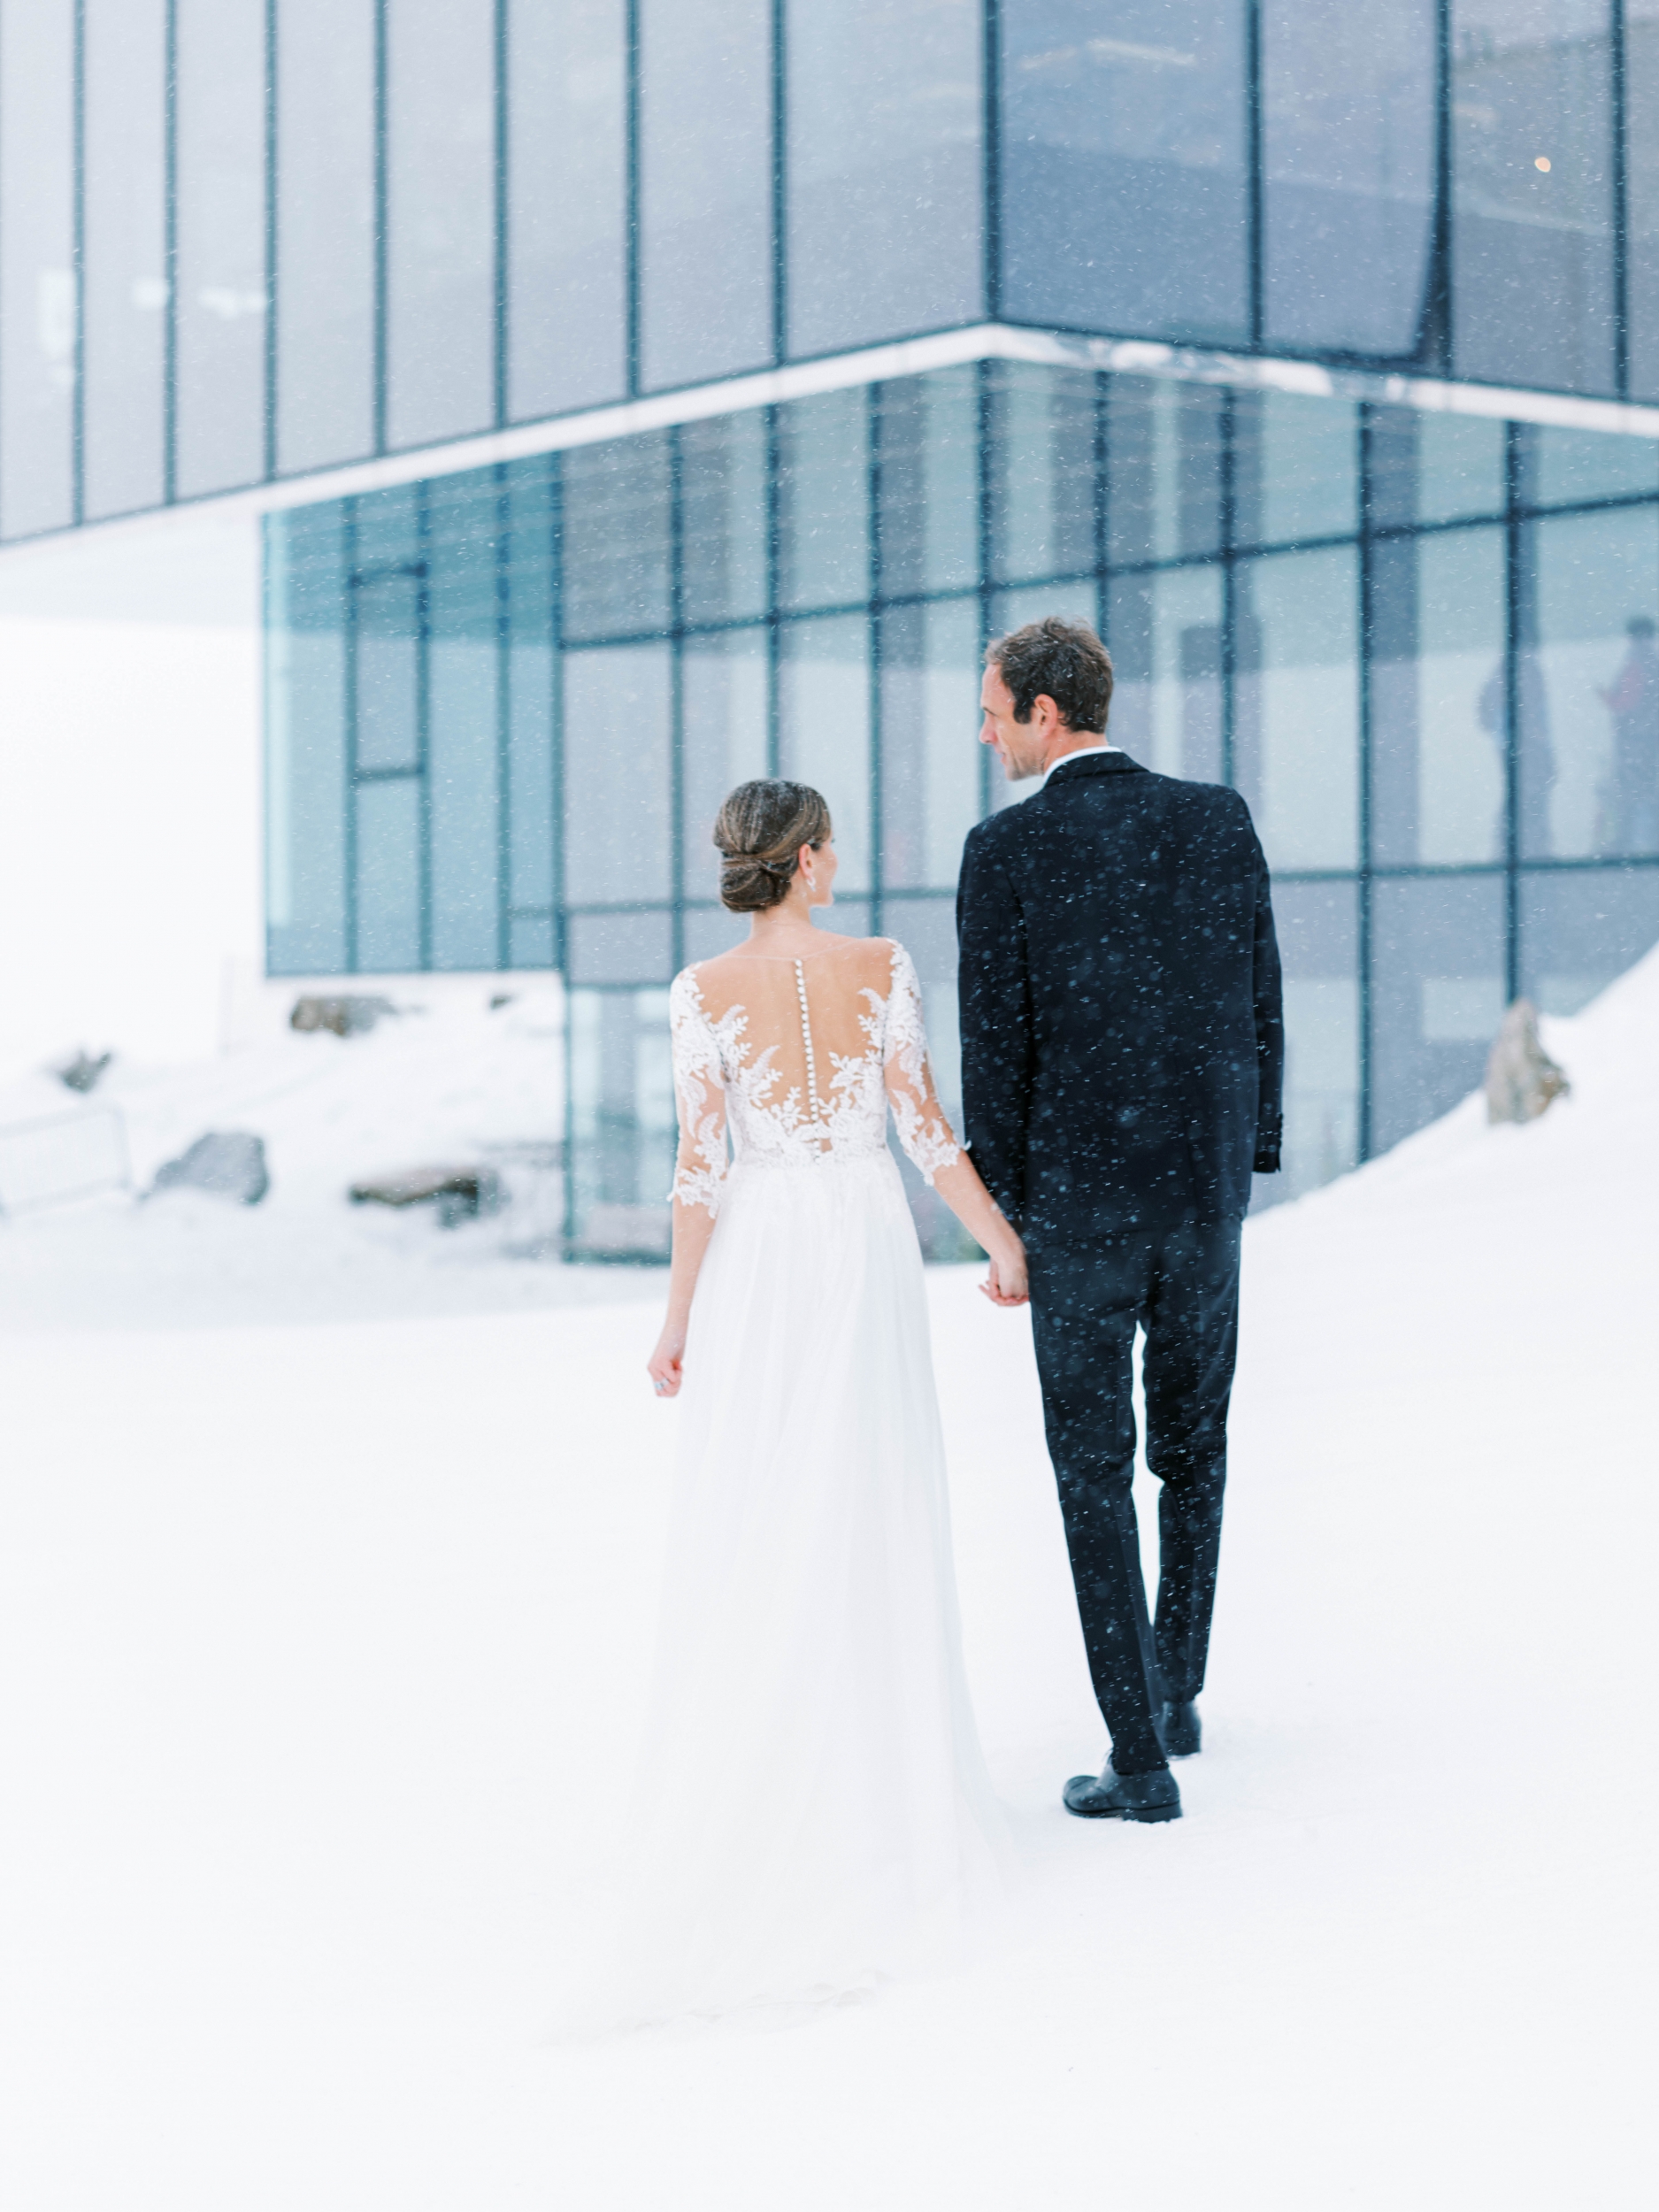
[(816, 1816)]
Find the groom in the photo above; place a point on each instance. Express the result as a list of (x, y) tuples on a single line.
[(1122, 1058)]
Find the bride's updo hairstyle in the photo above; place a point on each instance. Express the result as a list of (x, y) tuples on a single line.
[(760, 831)]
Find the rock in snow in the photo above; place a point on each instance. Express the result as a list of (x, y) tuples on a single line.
[(343, 1016), (1521, 1077), (229, 1163), (460, 1193)]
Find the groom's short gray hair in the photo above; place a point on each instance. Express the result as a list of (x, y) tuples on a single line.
[(1065, 661)]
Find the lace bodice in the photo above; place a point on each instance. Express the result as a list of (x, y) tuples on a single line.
[(799, 1061)]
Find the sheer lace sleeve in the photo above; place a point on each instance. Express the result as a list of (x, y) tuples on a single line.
[(700, 1164), (922, 1130)]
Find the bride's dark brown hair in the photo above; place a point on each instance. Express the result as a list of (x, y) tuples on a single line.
[(760, 831)]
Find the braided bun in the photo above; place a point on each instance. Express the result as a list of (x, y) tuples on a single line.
[(760, 831)]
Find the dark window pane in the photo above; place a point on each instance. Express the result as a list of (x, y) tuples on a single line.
[(568, 339), (440, 228), (126, 255), (616, 775), (530, 677), (723, 495), (1582, 927), (621, 948), (824, 499), (884, 187), (823, 731), (1318, 927), (723, 725), (930, 750), (305, 742), (615, 511), (221, 273), (324, 232), (1296, 717), (1295, 468), (463, 734), (622, 1120), (928, 445), (1428, 467), (387, 528), (705, 188), (1163, 632), (1043, 473), (532, 941), (388, 876), (1590, 686), (1531, 245), (37, 281), (1347, 98), (1561, 467), (1439, 750), (1164, 445), (1437, 996), (1124, 200), (388, 676), (1641, 160)]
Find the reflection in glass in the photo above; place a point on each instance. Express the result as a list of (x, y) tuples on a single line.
[(823, 731), (930, 752), (1163, 632), (325, 272), (219, 103), (1580, 928), (1347, 100), (1165, 449), (387, 723), (1044, 472), (1439, 699), (1437, 996), (723, 500), (388, 933), (1561, 467), (37, 276), (1318, 927), (705, 188), (725, 720), (1533, 301), (529, 676), (1296, 472), (306, 768), (1125, 196), (614, 522), (1590, 696), (885, 106), (464, 721), (566, 203), (621, 1123), (441, 227), (927, 432), (823, 500), (616, 750), (1296, 717), (126, 278)]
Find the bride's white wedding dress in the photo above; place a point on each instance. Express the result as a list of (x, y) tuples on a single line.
[(814, 1813)]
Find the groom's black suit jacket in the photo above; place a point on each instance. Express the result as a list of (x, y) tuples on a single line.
[(1121, 1034)]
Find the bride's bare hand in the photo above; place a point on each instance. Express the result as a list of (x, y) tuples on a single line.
[(666, 1366), (1005, 1283)]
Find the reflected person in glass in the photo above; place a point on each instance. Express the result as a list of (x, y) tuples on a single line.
[(1627, 807)]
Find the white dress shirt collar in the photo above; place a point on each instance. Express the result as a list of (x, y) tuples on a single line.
[(1081, 752)]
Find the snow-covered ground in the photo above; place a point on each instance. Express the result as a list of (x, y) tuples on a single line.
[(323, 1644)]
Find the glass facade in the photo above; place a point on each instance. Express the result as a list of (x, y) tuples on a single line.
[(506, 705), (245, 239)]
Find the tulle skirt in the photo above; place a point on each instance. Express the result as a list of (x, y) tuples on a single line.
[(814, 1814)]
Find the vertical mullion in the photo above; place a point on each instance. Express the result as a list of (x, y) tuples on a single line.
[(991, 165), (170, 253), (1229, 585), (556, 704), (503, 120), (78, 249), (1620, 186), (348, 564), (506, 539), (380, 211), (272, 305), (677, 697), (872, 630), (631, 224), (1512, 437), (779, 182), (1253, 140), (982, 373), (423, 708), (1102, 383), (774, 554), (1435, 339), (1362, 888)]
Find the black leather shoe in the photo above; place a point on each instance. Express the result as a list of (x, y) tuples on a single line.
[(1111, 1796), (1178, 1730)]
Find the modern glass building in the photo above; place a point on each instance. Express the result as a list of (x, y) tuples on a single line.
[(649, 393)]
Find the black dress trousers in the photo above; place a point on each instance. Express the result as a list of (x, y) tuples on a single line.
[(1181, 1284)]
